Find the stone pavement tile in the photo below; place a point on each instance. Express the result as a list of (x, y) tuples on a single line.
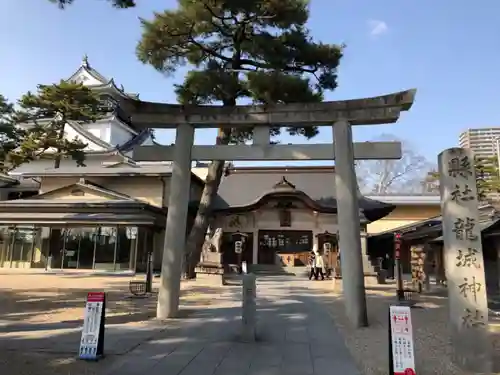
[(335, 351), (144, 358), (271, 370), (238, 360), (175, 362), (271, 332), (297, 333), (324, 366), (207, 361), (296, 359), (296, 336), (266, 355)]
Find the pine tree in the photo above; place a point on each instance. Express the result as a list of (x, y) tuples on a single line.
[(487, 177), (257, 50), (488, 181), (116, 3), (10, 137), (48, 111)]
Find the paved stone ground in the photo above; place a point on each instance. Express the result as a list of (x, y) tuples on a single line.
[(41, 316), (296, 336)]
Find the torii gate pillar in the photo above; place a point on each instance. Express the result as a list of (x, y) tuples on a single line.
[(349, 226), (174, 241)]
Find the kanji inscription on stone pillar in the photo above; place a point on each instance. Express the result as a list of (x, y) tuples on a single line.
[(464, 262)]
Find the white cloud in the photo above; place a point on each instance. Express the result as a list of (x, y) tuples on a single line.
[(377, 27)]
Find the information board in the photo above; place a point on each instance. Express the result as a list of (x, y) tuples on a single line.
[(92, 340), (401, 344)]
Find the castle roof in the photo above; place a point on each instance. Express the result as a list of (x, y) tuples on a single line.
[(90, 77)]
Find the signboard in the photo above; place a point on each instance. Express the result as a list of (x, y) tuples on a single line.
[(397, 246), (464, 261), (401, 347), (92, 340)]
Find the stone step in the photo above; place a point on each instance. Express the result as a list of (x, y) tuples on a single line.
[(261, 269)]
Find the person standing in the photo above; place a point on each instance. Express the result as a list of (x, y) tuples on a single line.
[(319, 265)]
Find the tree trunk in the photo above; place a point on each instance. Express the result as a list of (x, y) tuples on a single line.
[(60, 136), (196, 237)]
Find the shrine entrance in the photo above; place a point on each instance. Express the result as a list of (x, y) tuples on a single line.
[(284, 247), (340, 115)]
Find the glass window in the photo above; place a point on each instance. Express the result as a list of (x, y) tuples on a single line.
[(56, 247), (105, 248), (127, 242), (87, 247), (71, 247), (22, 244), (39, 258), (77, 250), (5, 240), (144, 245)]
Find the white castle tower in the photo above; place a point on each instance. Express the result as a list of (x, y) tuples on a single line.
[(109, 140)]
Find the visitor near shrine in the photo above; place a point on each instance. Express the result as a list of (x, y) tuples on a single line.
[(319, 265)]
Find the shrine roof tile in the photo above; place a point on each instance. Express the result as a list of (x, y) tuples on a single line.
[(242, 191)]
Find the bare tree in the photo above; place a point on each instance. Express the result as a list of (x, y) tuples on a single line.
[(403, 176)]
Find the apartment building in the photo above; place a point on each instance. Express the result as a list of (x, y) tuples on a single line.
[(482, 140)]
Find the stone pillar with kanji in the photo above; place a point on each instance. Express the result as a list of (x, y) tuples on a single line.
[(464, 261)]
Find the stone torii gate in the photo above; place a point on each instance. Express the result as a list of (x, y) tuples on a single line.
[(341, 114)]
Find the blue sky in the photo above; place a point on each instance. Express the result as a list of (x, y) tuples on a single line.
[(448, 50)]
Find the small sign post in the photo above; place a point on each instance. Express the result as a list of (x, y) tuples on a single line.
[(249, 308), (401, 345), (399, 272), (92, 340)]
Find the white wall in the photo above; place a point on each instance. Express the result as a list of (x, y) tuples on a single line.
[(86, 79), (118, 133)]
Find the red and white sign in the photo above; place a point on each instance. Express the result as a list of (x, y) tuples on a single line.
[(94, 314), (403, 354), (397, 245)]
